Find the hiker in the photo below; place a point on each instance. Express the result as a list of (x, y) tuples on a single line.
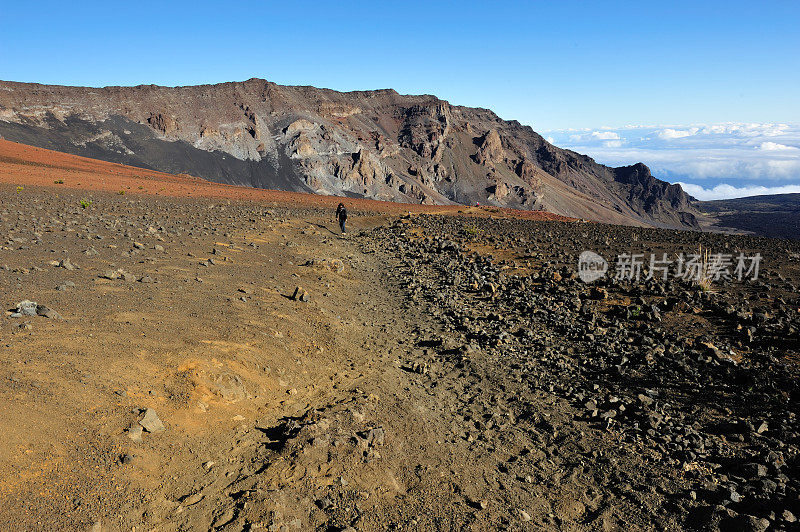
[(341, 216)]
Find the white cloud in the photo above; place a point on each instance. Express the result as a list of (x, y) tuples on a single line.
[(605, 135), (774, 146), (714, 130), (725, 191), (669, 133), (730, 153)]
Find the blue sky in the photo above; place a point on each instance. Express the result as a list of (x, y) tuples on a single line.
[(552, 65)]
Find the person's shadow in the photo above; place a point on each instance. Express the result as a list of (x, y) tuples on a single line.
[(328, 229)]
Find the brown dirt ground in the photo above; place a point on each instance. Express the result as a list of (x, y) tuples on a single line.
[(280, 414), (218, 350)]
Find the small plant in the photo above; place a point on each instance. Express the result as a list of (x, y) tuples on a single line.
[(59, 182), (20, 189), (704, 280), (472, 230), (121, 193), (85, 203), (141, 187)]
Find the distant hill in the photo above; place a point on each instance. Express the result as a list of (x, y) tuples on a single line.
[(376, 144), (776, 215)]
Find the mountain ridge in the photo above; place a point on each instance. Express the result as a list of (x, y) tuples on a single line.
[(773, 215), (374, 143)]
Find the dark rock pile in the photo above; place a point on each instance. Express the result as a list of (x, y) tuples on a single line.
[(702, 381)]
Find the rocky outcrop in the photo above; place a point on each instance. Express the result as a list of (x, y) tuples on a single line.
[(425, 128), (377, 144), (490, 151), (657, 198), (163, 122)]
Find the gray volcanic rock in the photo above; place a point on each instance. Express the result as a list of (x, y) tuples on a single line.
[(376, 144)]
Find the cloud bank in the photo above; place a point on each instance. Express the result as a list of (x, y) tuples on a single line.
[(724, 191), (711, 161)]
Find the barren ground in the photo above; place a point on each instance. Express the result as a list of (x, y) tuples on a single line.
[(447, 371)]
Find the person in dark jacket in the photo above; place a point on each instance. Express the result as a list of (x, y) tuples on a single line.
[(341, 216)]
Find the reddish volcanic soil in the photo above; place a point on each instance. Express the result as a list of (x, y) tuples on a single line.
[(26, 165)]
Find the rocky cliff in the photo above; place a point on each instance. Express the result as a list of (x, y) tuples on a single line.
[(377, 144)]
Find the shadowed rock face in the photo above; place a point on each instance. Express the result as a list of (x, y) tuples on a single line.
[(377, 144)]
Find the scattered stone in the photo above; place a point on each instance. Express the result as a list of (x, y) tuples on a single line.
[(224, 518), (192, 499), (31, 308), (374, 436), (151, 422), (417, 367), (747, 523), (25, 308), (646, 400), (752, 470), (110, 274), (134, 432), (47, 312), (300, 294), (67, 265)]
